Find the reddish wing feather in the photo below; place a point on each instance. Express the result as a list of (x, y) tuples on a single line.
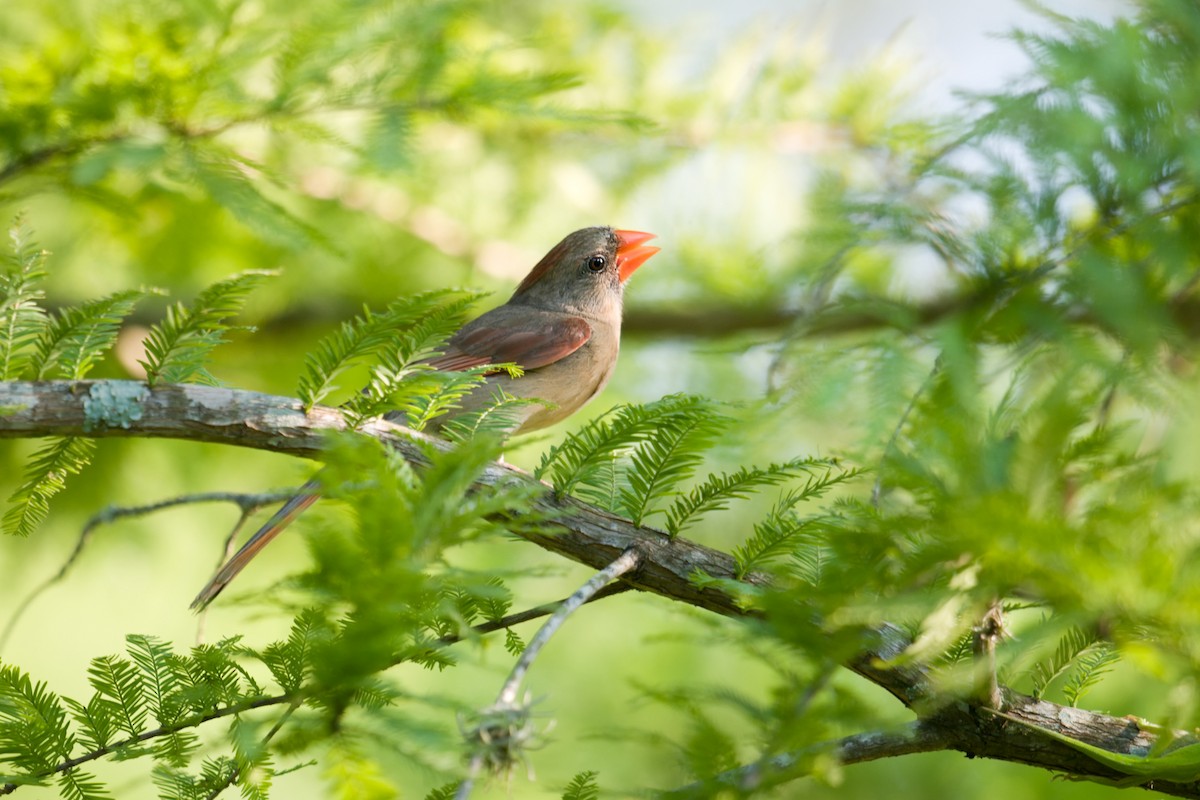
[(533, 345)]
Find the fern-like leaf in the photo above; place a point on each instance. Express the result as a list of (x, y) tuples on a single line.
[(178, 346), (78, 785), (405, 328), (444, 792), (428, 395), (809, 561), (177, 784), (502, 416), (119, 685), (34, 731), (669, 457), (419, 330), (1072, 644), (45, 477), (289, 661), (774, 537), (513, 644), (211, 678), (160, 681), (95, 724), (585, 455), (77, 337), (22, 320), (782, 532), (715, 493), (582, 787), (1090, 666)]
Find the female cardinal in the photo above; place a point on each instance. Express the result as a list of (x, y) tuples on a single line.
[(562, 326)]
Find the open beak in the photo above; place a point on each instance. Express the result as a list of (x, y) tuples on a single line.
[(632, 251)]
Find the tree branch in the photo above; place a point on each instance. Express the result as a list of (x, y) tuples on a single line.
[(247, 502), (588, 535), (916, 737)]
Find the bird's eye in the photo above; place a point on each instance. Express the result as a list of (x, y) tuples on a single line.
[(597, 263)]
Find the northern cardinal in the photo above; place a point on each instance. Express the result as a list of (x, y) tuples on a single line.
[(562, 326)]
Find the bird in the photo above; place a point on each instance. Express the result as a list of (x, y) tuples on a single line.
[(562, 327)]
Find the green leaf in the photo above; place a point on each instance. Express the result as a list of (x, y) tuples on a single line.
[(160, 682), (77, 337), (1090, 666), (178, 348), (715, 493), (669, 457), (588, 457), (22, 320), (289, 661), (408, 329), (446, 791), (1070, 647), (513, 644), (45, 477), (119, 684), (782, 532), (95, 723), (582, 787)]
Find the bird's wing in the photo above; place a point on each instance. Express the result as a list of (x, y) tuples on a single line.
[(534, 340)]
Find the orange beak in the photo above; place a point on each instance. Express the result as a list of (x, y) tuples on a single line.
[(632, 252)]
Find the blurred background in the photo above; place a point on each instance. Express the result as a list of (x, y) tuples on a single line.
[(708, 124)]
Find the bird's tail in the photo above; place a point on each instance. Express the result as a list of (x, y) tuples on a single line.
[(283, 517)]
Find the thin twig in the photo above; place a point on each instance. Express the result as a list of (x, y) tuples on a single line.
[(985, 636), (236, 771), (506, 700), (531, 613), (248, 503), (624, 563)]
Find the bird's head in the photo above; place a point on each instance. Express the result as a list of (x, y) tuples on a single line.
[(586, 272)]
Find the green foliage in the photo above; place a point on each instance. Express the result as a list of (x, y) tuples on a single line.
[(783, 531), (69, 343), (582, 787), (1078, 662), (78, 337), (633, 456), (498, 418), (715, 492), (668, 458), (22, 320), (409, 329), (1091, 665), (444, 792), (144, 705), (34, 731), (45, 476), (178, 347)]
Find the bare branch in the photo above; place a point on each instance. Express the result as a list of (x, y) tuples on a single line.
[(247, 502)]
